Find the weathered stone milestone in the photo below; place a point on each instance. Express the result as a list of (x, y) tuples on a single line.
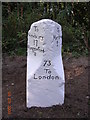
[(45, 73)]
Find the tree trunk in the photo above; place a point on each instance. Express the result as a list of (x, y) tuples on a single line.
[(18, 9), (85, 38), (9, 8), (21, 10)]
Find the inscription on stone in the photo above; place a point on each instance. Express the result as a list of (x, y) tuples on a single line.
[(45, 74)]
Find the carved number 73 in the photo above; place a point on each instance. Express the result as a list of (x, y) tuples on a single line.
[(47, 63)]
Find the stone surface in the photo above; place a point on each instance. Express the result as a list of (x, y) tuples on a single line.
[(45, 74)]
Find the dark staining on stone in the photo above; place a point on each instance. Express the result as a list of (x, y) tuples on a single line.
[(31, 35), (35, 42), (36, 28), (34, 53), (58, 30), (57, 43), (41, 37), (56, 37), (36, 37), (36, 49)]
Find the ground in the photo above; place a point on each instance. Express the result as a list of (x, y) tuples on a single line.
[(76, 90)]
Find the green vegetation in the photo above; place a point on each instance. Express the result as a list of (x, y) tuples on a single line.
[(74, 18)]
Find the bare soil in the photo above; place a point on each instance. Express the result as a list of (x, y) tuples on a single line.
[(76, 90)]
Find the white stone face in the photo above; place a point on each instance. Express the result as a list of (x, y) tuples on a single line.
[(45, 74)]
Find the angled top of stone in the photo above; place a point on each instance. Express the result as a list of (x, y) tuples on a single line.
[(48, 24), (46, 35), (47, 21)]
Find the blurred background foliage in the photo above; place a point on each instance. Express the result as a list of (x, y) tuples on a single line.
[(73, 17)]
